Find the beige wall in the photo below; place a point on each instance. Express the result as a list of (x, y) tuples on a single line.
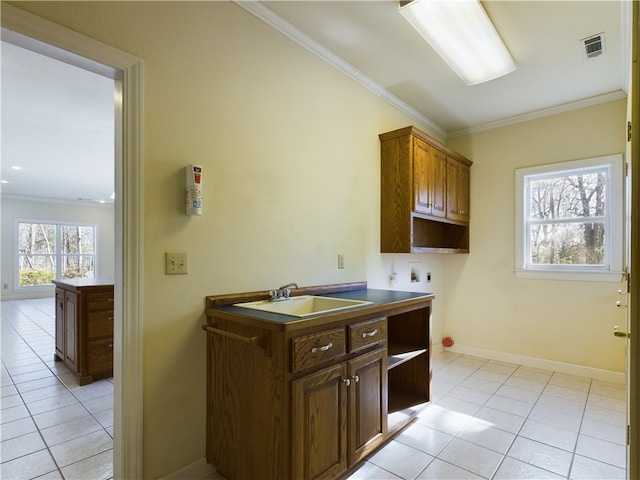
[(487, 307), (290, 155), (291, 178)]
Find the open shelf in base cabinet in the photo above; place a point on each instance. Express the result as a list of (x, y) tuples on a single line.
[(408, 365)]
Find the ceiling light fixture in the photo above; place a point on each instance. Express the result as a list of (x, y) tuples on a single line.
[(462, 34)]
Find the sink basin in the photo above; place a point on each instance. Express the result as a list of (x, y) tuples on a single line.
[(304, 305)]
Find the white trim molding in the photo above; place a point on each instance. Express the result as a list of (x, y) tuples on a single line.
[(534, 362), (198, 469), (48, 38), (268, 16), (545, 112), (612, 268)]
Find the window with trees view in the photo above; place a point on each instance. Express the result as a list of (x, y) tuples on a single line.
[(48, 251), (569, 219)]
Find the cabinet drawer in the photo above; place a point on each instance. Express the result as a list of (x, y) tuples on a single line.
[(100, 323), (364, 334), (311, 350), (100, 301), (100, 356)]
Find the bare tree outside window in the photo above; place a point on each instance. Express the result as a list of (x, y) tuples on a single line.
[(49, 251), (567, 218)]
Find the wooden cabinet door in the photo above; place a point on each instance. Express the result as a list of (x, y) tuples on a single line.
[(319, 424), (367, 403), (458, 176), (71, 331), (438, 175), (429, 172), (60, 323), (422, 160)]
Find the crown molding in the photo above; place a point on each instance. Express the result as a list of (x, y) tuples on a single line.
[(545, 112), (264, 13)]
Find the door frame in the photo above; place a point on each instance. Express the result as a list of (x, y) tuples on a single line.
[(63, 44), (633, 392)]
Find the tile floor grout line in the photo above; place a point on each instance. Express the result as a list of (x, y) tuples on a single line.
[(23, 340)]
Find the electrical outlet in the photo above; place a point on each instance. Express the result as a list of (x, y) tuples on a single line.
[(428, 277), (176, 263), (340, 261)]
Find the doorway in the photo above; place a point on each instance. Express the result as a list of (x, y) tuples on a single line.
[(45, 37)]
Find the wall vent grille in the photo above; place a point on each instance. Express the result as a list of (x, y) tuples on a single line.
[(594, 45)]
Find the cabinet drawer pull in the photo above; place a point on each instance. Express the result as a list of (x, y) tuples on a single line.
[(322, 349), (111, 345), (372, 333), (355, 378), (346, 381)]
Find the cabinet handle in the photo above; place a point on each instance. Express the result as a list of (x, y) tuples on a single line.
[(346, 381), (322, 349), (373, 333), (111, 345), (355, 378), (110, 318)]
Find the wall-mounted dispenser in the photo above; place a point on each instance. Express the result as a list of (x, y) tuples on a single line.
[(194, 189)]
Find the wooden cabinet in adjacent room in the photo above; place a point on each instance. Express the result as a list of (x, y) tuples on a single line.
[(424, 204), (84, 327)]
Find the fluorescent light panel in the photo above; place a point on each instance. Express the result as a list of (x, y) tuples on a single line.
[(462, 34)]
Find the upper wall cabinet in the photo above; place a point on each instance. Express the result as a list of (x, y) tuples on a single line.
[(424, 195)]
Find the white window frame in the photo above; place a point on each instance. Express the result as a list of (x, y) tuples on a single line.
[(612, 271), (58, 255)]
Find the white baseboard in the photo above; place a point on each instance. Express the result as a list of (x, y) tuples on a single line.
[(196, 471), (534, 362)]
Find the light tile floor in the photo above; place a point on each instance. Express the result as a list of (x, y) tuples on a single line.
[(50, 426), (497, 420), (487, 419)]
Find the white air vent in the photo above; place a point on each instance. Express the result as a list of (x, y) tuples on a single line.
[(594, 45)]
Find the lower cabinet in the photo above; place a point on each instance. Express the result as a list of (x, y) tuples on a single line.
[(312, 398), (319, 418), (84, 327), (339, 415)]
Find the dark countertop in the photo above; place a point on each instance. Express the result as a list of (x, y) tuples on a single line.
[(376, 297)]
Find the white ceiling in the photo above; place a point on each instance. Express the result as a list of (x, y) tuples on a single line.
[(57, 127), (57, 121), (544, 38)]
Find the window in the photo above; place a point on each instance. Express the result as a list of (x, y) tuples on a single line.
[(48, 251), (569, 220)]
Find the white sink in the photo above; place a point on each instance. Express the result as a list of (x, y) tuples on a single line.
[(304, 305)]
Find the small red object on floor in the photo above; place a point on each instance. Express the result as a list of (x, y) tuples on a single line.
[(447, 341)]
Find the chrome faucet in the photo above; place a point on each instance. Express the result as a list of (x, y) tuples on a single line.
[(282, 293)]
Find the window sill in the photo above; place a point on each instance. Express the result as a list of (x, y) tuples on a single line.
[(580, 276)]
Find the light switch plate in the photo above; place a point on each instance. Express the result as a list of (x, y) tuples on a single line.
[(176, 263)]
